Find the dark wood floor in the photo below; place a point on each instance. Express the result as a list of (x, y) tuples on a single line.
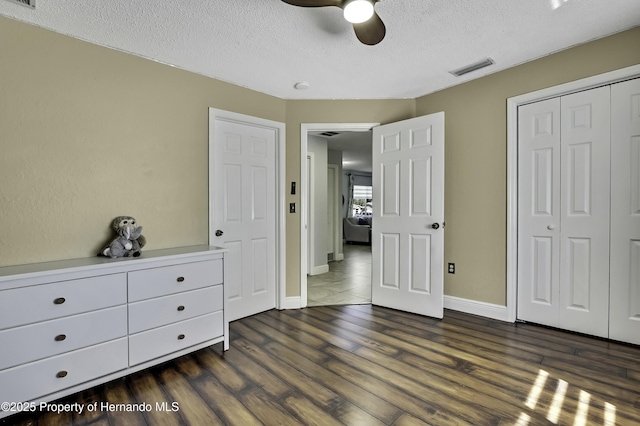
[(364, 365)]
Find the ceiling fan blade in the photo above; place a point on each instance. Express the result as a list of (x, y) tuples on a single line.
[(314, 3), (372, 31)]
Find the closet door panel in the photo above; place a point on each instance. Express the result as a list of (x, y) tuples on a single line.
[(584, 235), (539, 211), (625, 212)]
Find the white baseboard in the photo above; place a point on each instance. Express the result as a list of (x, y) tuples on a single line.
[(468, 306), (475, 307), (291, 303), (338, 256), (317, 270)]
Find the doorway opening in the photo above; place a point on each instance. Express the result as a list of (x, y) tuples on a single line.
[(332, 270)]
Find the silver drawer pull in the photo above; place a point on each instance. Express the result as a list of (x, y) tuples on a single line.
[(180, 279), (60, 337), (59, 301), (181, 336), (61, 374), (181, 308)]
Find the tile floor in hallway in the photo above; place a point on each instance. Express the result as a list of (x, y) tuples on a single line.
[(348, 281)]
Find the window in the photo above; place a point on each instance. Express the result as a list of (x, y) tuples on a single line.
[(362, 200), (361, 192)]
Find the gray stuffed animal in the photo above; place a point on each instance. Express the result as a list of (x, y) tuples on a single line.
[(129, 239)]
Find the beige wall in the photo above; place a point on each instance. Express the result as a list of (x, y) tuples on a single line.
[(88, 133), (476, 156)]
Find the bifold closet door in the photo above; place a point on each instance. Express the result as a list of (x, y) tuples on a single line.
[(625, 212), (585, 174), (539, 212), (563, 212)]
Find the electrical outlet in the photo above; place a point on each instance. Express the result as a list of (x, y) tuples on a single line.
[(452, 268)]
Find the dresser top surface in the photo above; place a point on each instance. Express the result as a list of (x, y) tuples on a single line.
[(146, 259)]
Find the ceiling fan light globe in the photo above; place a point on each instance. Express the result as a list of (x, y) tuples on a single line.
[(358, 11)]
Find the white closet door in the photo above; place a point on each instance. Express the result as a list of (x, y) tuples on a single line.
[(585, 204), (563, 212), (625, 212), (539, 212)]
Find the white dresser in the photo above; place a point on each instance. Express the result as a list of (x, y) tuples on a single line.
[(69, 325)]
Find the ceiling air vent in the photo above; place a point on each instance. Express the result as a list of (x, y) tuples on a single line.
[(29, 3), (473, 67), (328, 134)]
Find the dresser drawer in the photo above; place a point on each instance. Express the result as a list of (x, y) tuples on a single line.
[(28, 343), (55, 300), (41, 378), (165, 310), (170, 338), (149, 283)]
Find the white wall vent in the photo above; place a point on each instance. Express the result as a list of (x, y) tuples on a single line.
[(29, 3), (473, 67)]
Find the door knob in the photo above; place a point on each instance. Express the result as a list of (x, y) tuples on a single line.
[(219, 233), (435, 225), (551, 227)]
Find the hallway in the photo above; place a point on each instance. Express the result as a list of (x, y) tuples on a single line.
[(348, 281)]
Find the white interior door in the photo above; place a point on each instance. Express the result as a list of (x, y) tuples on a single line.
[(243, 193), (563, 213), (408, 215), (625, 212)]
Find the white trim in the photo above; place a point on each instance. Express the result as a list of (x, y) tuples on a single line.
[(474, 307), (305, 128), (292, 302), (281, 190), (512, 162), (310, 216), (320, 269)]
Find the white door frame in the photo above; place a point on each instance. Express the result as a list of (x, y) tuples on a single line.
[(512, 162), (308, 206), (279, 128), (305, 128), (336, 238)]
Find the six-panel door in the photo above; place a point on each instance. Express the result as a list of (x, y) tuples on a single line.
[(408, 215)]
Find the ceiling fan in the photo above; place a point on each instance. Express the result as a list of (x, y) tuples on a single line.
[(367, 24)]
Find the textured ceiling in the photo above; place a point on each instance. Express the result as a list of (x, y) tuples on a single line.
[(268, 46), (355, 147)]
